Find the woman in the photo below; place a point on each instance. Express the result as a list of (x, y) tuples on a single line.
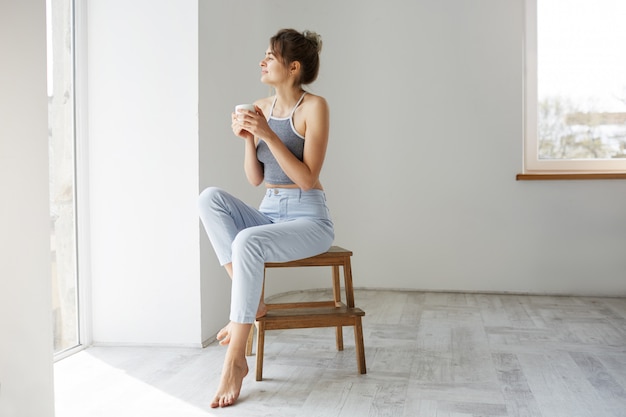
[(285, 150)]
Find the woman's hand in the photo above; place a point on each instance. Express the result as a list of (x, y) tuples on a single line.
[(237, 126), (252, 167), (247, 123)]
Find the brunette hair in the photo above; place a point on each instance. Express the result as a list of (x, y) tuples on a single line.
[(289, 45)]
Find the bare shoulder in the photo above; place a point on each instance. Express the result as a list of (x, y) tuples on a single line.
[(314, 105), (315, 117), (315, 101)]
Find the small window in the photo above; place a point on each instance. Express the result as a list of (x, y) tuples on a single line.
[(575, 82)]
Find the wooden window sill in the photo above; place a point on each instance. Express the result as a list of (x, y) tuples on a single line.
[(571, 176)]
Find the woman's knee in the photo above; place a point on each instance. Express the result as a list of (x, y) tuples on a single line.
[(211, 197)]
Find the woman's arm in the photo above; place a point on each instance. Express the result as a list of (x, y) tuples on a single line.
[(251, 165)]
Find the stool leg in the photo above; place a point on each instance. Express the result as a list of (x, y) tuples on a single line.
[(336, 286), (337, 298), (249, 342), (358, 342), (347, 277), (339, 337), (260, 344)]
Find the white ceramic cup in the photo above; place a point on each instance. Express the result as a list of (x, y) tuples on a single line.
[(244, 107)]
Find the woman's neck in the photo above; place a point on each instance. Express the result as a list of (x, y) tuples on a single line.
[(286, 98)]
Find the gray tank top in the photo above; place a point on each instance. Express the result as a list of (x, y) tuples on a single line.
[(284, 129)]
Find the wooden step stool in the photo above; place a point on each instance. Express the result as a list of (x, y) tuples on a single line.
[(302, 315)]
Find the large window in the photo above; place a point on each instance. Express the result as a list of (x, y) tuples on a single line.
[(61, 130), (575, 86)]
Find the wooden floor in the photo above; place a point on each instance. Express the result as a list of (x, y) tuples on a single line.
[(428, 355)]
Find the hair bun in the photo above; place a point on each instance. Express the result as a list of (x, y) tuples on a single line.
[(315, 38)]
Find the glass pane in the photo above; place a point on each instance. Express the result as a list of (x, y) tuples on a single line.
[(62, 181), (581, 79)]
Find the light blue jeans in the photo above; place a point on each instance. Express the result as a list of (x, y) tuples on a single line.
[(290, 224)]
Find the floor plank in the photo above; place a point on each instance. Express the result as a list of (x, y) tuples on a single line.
[(428, 355)]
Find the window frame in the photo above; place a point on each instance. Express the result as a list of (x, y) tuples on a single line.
[(83, 256), (531, 162), (81, 190)]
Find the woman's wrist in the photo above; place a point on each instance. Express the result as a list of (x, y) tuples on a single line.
[(271, 139)]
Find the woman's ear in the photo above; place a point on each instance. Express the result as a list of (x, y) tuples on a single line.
[(294, 67)]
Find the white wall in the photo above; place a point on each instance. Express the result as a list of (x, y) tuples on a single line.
[(426, 139), (26, 387), (143, 146)]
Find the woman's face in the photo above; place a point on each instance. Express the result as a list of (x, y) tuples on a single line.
[(273, 71)]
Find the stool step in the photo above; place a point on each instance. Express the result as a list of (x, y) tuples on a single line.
[(304, 305), (304, 318)]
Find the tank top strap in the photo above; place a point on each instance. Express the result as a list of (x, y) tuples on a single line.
[(297, 104)]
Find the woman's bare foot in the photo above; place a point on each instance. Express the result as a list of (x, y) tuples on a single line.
[(223, 336), (233, 373), (235, 365)]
